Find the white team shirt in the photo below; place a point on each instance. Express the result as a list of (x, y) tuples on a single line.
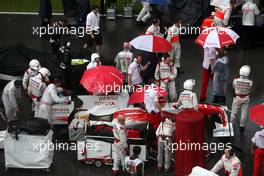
[(92, 20), (173, 31), (223, 22), (188, 99), (131, 165), (242, 86), (249, 10), (123, 60), (134, 70), (150, 98), (154, 30), (166, 128), (164, 71), (27, 75), (258, 139), (209, 55)]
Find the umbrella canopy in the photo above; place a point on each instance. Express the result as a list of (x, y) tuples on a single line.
[(257, 114), (159, 2), (139, 94), (151, 43), (216, 37), (102, 79)]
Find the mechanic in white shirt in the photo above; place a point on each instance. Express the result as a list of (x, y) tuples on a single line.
[(134, 71), (154, 29), (258, 151), (151, 101), (222, 21), (92, 29), (152, 105), (249, 10)]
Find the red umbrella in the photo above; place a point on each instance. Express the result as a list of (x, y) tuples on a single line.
[(217, 37), (102, 79), (151, 43), (138, 95), (257, 114)]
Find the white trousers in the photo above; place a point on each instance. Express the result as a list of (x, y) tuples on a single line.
[(119, 157), (242, 103), (171, 88), (176, 54), (164, 148), (10, 111), (144, 14)]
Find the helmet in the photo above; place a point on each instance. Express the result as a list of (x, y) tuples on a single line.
[(94, 56), (34, 64), (44, 71), (244, 70), (189, 84)]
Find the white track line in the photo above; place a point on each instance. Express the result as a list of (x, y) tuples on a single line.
[(36, 13)]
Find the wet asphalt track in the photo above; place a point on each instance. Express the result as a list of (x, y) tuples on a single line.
[(18, 29)]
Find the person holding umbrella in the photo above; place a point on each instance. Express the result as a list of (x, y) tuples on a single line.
[(257, 151), (207, 74), (242, 86), (221, 74)]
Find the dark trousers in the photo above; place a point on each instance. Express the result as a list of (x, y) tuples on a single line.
[(249, 39)]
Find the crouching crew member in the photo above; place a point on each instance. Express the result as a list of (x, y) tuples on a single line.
[(231, 164), (49, 98), (133, 165)]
